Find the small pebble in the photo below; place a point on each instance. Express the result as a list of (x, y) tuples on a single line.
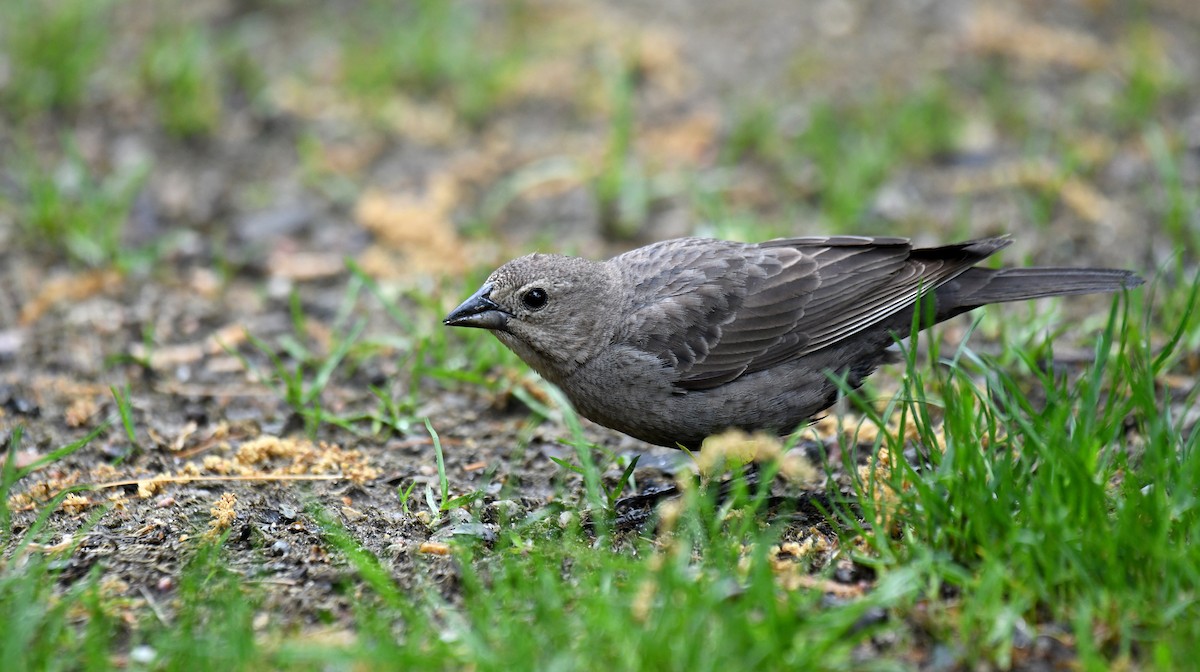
[(143, 655), (507, 508)]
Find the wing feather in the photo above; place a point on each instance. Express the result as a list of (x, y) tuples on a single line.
[(715, 310)]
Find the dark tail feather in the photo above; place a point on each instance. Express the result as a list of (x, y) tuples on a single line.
[(981, 286)]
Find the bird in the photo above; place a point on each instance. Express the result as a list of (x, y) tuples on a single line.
[(685, 338)]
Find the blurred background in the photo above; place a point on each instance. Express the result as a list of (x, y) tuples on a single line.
[(270, 137), (180, 177)]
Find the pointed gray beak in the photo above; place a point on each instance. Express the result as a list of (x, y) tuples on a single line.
[(478, 311)]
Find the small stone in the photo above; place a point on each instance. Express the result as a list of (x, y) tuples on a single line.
[(142, 655), (507, 508)]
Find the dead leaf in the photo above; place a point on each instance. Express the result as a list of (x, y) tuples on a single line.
[(80, 411), (433, 548), (67, 289), (303, 266), (682, 143), (414, 232), (995, 31)]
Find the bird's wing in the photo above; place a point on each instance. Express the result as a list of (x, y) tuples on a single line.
[(716, 310)]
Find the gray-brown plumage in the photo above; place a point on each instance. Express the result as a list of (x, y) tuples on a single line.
[(675, 341)]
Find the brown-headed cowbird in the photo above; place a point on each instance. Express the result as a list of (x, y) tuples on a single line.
[(678, 340)]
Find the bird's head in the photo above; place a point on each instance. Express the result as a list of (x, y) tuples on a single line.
[(555, 312)]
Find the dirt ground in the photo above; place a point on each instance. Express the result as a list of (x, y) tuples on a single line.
[(245, 221)]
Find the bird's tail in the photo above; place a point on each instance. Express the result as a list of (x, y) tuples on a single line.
[(980, 286)]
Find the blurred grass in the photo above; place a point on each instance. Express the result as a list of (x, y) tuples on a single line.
[(53, 48), (855, 148), (68, 210), (180, 70), (435, 49)]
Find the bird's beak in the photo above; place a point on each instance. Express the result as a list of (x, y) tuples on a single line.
[(478, 311)]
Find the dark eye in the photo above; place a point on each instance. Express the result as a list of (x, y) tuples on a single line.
[(535, 298)]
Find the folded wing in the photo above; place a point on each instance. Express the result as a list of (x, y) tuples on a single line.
[(715, 310)]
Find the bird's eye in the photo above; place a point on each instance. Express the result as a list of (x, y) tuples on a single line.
[(534, 299)]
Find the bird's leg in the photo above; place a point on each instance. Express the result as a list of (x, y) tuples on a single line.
[(634, 510)]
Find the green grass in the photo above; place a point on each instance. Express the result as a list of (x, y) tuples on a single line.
[(1053, 511), (827, 172), (300, 374), (431, 50), (754, 134), (430, 356), (855, 147), (53, 47), (67, 210), (621, 184), (40, 632), (191, 71), (1149, 79), (592, 607), (50, 623), (1177, 205), (181, 71)]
